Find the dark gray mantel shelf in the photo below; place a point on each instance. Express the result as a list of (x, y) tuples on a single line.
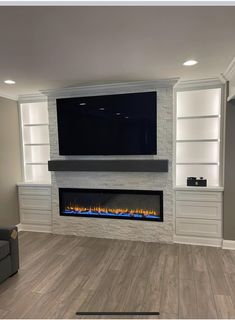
[(109, 165)]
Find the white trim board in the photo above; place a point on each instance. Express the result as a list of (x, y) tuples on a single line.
[(228, 244), (8, 96), (184, 85), (213, 242), (110, 88), (229, 73)]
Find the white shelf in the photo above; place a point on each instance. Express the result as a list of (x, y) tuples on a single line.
[(198, 163), (37, 144), (198, 117), (35, 124), (208, 188), (34, 184), (198, 140), (36, 163)]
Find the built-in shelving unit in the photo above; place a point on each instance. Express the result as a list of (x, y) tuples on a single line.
[(35, 141), (199, 153), (198, 135)]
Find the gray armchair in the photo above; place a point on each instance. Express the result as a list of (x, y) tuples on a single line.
[(9, 252)]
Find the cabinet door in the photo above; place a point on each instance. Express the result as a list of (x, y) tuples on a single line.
[(35, 202), (202, 210), (199, 227)]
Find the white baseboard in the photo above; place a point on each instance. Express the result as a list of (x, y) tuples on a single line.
[(19, 227), (228, 244), (212, 242), (35, 228)]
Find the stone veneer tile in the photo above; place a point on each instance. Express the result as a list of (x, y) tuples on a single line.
[(119, 229)]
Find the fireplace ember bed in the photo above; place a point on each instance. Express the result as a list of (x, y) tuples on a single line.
[(144, 205)]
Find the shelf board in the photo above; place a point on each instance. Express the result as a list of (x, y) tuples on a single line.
[(198, 163), (109, 165), (36, 144), (198, 140), (199, 117), (36, 163), (35, 124)]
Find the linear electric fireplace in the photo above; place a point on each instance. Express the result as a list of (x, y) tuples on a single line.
[(114, 204)]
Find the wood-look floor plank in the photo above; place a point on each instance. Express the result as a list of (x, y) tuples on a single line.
[(185, 262), (217, 278), (206, 308), (60, 275), (187, 299), (154, 284), (170, 286), (224, 306)]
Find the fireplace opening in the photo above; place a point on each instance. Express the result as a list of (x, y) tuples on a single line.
[(115, 204)]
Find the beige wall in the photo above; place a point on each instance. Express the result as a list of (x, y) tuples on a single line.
[(10, 161), (229, 186)]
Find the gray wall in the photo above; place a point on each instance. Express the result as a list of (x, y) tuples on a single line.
[(10, 161), (229, 187)]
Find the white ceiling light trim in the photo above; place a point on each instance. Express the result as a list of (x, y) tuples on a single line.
[(9, 81), (190, 63)]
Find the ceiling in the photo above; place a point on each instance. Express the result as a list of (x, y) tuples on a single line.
[(52, 47)]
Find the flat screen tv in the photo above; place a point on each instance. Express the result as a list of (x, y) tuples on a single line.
[(120, 124)]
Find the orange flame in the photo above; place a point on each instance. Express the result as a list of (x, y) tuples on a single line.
[(99, 209)]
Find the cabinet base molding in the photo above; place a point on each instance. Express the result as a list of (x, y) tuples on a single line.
[(228, 244), (213, 242), (34, 228)]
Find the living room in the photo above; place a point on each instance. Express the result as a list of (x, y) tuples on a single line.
[(117, 179)]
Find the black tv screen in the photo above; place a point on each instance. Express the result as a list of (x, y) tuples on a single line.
[(120, 124)]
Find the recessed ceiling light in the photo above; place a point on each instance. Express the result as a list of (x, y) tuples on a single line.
[(9, 81), (190, 63), (126, 117), (118, 113), (102, 109), (82, 103)]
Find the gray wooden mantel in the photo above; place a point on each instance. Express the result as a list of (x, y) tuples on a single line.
[(109, 165)]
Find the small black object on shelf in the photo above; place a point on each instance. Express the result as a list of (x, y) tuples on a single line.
[(196, 182)]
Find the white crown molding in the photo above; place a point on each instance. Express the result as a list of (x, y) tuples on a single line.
[(229, 73), (27, 98), (8, 96), (213, 242), (111, 88), (228, 244), (199, 83)]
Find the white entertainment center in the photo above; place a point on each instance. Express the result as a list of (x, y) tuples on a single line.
[(198, 149)]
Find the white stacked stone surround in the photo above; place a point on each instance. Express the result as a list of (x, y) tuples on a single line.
[(117, 228)]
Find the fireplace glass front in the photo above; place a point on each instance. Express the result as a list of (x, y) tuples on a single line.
[(114, 204)]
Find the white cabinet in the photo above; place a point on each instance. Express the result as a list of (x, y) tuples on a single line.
[(35, 207), (199, 214), (35, 141)]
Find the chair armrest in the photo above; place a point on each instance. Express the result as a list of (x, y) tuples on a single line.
[(11, 234)]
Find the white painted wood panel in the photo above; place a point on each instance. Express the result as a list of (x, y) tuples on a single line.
[(35, 217), (202, 210), (40, 191), (35, 202), (199, 227), (198, 196)]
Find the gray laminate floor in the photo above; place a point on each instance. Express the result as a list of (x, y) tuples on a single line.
[(60, 275)]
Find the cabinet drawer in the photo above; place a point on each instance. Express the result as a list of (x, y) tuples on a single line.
[(35, 217), (198, 196), (40, 191), (204, 210), (197, 227), (35, 202)]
